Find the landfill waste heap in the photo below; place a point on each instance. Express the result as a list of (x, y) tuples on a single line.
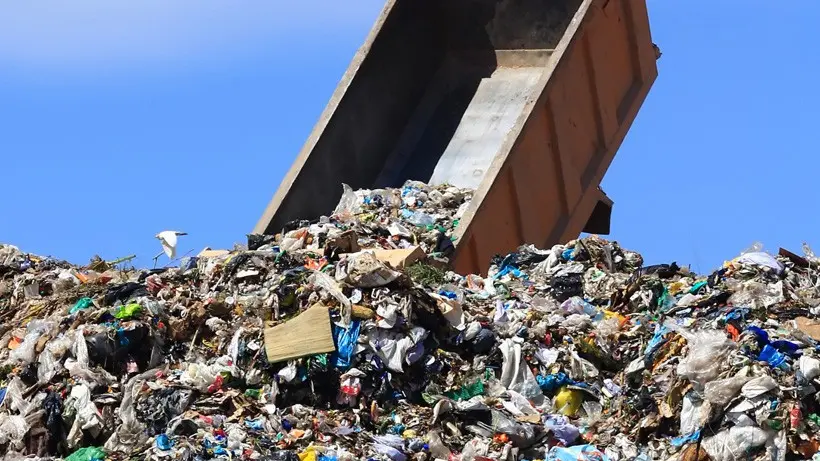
[(347, 338)]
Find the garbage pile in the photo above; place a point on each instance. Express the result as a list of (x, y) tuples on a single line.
[(347, 338)]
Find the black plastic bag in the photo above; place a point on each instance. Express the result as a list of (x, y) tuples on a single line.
[(567, 286), (124, 292), (255, 241)]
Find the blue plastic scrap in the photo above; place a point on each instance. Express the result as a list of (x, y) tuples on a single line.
[(685, 439), (164, 442), (774, 353), (507, 267), (553, 382)]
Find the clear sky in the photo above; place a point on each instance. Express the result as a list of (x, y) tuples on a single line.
[(122, 119)]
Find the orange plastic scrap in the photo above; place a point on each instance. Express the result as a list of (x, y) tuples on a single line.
[(732, 330), (316, 264)]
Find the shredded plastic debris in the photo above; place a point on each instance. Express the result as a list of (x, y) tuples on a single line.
[(348, 338)]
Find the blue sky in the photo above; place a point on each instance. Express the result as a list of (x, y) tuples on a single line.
[(122, 119)]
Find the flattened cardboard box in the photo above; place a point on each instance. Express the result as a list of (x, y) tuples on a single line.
[(399, 258), (307, 334)]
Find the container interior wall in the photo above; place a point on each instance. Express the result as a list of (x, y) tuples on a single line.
[(409, 97), (478, 92)]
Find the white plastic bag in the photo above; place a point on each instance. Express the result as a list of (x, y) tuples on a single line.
[(80, 348), (293, 240), (757, 295), (581, 369), (324, 281), (87, 418), (514, 369), (758, 386), (721, 391), (12, 429), (14, 398), (761, 259), (392, 347), (707, 354), (25, 351), (201, 376), (348, 204), (47, 366), (547, 356), (694, 413), (734, 444), (809, 367), (474, 448), (130, 433)]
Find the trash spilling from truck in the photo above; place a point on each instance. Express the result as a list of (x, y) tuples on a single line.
[(347, 337)]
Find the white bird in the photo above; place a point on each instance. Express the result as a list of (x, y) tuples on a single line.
[(169, 242)]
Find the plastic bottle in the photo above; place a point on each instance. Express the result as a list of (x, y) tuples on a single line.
[(417, 218), (437, 447)]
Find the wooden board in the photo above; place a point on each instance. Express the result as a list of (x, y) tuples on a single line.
[(307, 334)]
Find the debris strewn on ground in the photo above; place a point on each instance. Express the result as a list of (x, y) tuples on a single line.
[(348, 338)]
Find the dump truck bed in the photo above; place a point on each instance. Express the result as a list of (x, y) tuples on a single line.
[(526, 101)]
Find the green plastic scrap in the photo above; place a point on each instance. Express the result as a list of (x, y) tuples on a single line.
[(87, 454), (665, 300), (775, 424), (128, 311), (467, 391), (82, 303), (697, 286)]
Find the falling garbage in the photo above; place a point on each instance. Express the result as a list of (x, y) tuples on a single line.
[(348, 337)]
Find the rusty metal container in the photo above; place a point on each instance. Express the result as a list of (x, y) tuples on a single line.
[(526, 101)]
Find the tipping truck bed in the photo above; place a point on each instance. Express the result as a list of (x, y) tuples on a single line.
[(527, 101)]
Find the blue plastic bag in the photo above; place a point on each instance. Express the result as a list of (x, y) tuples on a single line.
[(658, 340), (772, 356), (345, 340), (576, 453)]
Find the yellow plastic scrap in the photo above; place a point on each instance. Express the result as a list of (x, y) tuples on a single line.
[(568, 401), (308, 455), (610, 314), (675, 288)]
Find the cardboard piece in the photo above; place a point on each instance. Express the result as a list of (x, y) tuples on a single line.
[(307, 334), (363, 312), (346, 242), (401, 258), (207, 252), (809, 327)]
